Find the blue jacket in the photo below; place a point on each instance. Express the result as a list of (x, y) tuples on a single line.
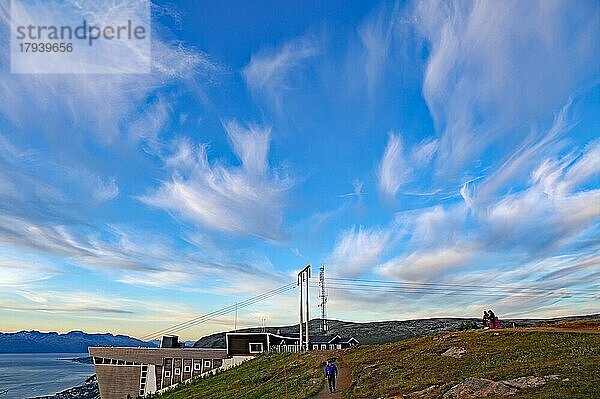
[(330, 370)]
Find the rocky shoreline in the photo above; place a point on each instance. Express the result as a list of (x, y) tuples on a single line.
[(88, 390)]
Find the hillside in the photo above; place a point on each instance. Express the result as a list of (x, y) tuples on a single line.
[(260, 378), (558, 362), (417, 365), (384, 331), (52, 342)]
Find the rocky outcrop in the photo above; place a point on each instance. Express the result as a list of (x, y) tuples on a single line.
[(530, 382), (427, 393), (474, 387), (86, 391), (455, 352)]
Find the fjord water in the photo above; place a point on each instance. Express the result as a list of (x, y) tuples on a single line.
[(27, 375)]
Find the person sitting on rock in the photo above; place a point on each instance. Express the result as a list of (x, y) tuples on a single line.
[(486, 319), (493, 319)]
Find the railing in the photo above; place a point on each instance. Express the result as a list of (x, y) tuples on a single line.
[(285, 348)]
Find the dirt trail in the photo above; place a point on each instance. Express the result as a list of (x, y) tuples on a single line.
[(342, 383)]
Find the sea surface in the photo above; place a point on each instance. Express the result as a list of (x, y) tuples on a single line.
[(37, 374)]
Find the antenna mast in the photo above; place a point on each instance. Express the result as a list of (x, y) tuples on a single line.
[(323, 296)]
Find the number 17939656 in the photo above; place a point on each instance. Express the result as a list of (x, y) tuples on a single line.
[(44, 47)]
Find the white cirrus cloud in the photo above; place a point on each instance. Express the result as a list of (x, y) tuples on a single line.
[(21, 272), (424, 152), (376, 36), (427, 264), (106, 190), (98, 105), (557, 212), (270, 73), (244, 199), (399, 164), (393, 170), (357, 250), (490, 63)]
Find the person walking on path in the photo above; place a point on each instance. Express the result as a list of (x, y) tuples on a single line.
[(331, 372)]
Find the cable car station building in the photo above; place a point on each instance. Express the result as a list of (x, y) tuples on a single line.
[(138, 372)]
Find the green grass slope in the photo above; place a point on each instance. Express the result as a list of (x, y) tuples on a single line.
[(389, 370), (259, 378), (381, 332)]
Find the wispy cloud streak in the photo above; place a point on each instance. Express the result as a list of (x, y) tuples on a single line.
[(271, 73)]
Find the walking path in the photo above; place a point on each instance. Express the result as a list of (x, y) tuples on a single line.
[(342, 383)]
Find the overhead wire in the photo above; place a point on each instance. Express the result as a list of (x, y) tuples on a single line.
[(398, 287), (219, 312), (391, 287), (389, 290), (444, 286)]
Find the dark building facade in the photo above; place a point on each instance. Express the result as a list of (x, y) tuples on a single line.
[(251, 344), (142, 371), (138, 372), (329, 342)]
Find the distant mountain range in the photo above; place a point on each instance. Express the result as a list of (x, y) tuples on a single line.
[(366, 333), (72, 342), (386, 331)]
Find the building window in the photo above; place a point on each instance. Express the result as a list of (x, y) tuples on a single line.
[(323, 347), (167, 374), (186, 369), (197, 366), (177, 371), (339, 346), (256, 347), (207, 364), (316, 347)]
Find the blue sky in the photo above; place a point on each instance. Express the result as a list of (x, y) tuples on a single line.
[(435, 142)]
